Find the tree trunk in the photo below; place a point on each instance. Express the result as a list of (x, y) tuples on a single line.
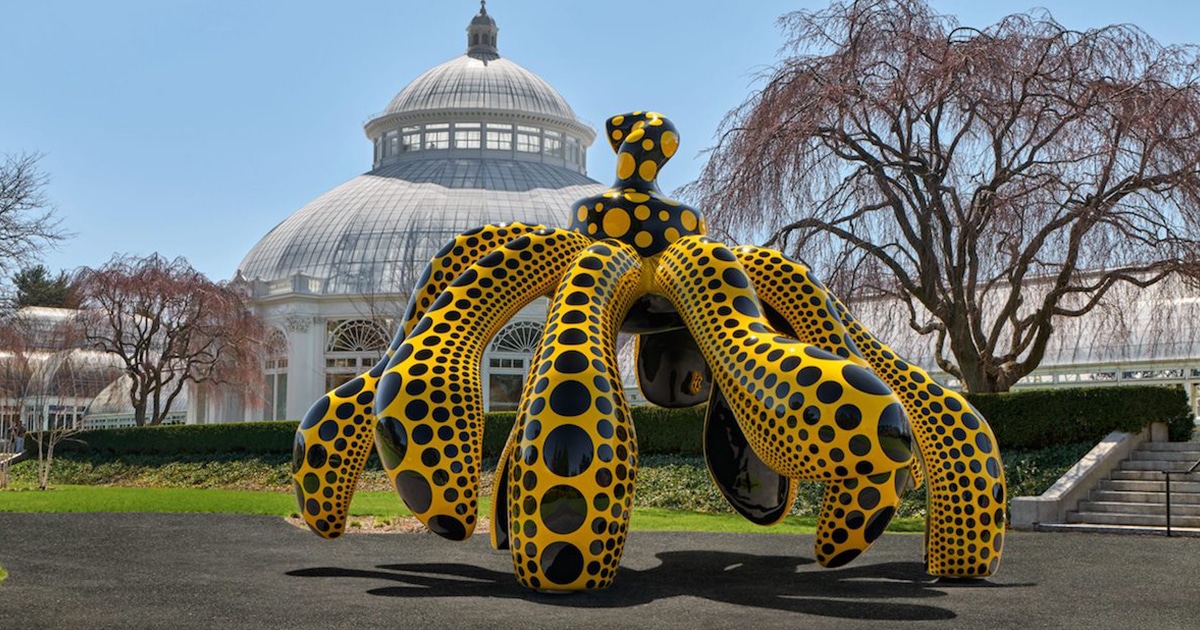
[(44, 473)]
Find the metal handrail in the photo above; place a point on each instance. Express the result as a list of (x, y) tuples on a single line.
[(1167, 474)]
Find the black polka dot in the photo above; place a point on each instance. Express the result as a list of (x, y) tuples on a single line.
[(422, 434), (808, 376), (868, 498), (316, 456), (491, 260), (316, 413), (415, 491), (570, 399), (562, 563), (573, 337), (843, 558), (829, 392), (299, 446), (447, 527), (894, 435), (735, 278), (877, 523), (848, 417), (864, 380), (416, 410), (350, 388), (563, 509), (746, 306), (568, 450), (591, 262), (571, 362), (604, 477), (393, 441)]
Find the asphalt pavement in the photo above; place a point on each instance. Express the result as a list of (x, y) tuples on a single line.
[(84, 571)]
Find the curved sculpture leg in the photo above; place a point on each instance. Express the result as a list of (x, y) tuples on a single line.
[(807, 413), (573, 471), (966, 483), (430, 398), (758, 493), (965, 477), (335, 438), (854, 512)]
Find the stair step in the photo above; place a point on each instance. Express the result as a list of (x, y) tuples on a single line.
[(1136, 475), (1139, 485), (1095, 528), (1159, 465), (1145, 509), (1167, 456), (1153, 475), (1159, 498), (1177, 479), (1104, 518), (1170, 446)]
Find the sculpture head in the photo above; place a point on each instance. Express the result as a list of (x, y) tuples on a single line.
[(643, 142)]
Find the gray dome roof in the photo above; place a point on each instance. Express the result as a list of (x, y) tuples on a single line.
[(376, 232), (469, 83)]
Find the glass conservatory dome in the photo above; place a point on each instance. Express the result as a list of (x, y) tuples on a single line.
[(475, 140)]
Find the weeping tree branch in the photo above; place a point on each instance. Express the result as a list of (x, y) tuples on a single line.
[(995, 181)]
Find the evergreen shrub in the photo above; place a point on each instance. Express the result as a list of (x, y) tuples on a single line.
[(1028, 419)]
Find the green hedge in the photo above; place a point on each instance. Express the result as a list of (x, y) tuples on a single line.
[(1021, 420), (1048, 417), (241, 437)]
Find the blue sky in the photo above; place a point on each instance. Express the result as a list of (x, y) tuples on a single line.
[(192, 127)]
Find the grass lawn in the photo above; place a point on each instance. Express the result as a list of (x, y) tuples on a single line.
[(116, 499)]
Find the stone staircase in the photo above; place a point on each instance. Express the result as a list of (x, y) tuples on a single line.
[(1133, 498)]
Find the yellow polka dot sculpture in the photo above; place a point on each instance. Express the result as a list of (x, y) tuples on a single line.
[(796, 389)]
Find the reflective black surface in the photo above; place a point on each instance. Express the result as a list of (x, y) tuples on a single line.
[(671, 370), (500, 502), (754, 490), (651, 313)]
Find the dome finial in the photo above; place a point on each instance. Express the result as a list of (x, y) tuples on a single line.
[(481, 35)]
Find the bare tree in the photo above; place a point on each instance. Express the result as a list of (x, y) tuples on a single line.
[(170, 325), (991, 182), (15, 380), (48, 379), (27, 221)]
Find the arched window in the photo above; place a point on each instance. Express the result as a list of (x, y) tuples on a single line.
[(508, 363), (357, 335), (353, 346), (275, 372)]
